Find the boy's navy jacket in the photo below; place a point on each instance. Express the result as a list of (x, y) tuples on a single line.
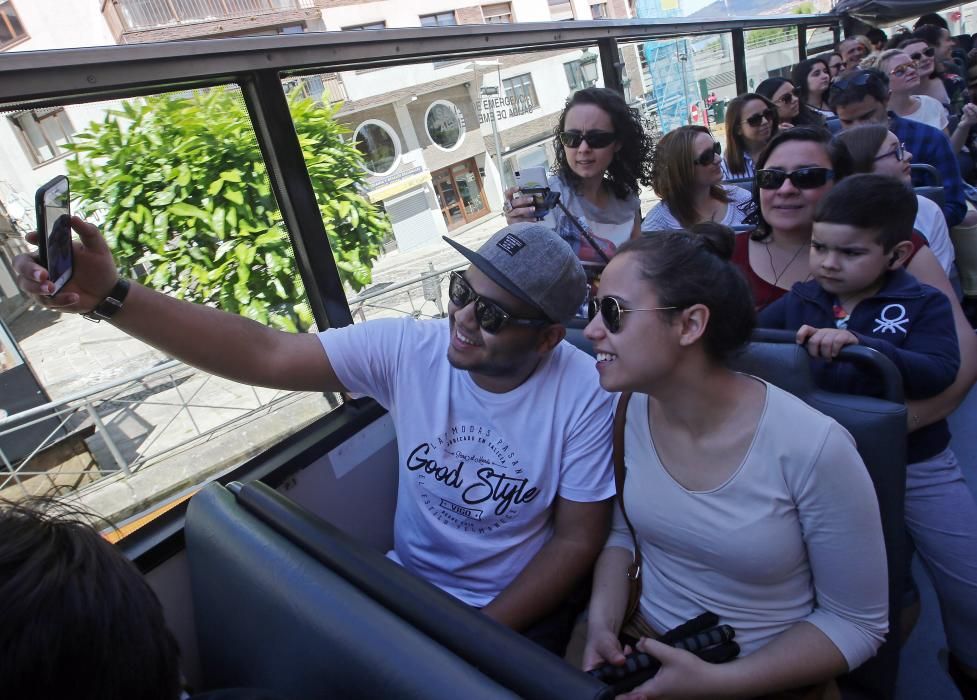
[(908, 322)]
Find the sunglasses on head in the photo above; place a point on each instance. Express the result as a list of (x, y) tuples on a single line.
[(929, 53), (709, 157), (859, 79), (802, 179), (610, 311), (757, 119), (899, 152), (491, 317), (594, 139)]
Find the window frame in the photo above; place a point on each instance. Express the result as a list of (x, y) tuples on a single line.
[(560, 4), (4, 17), (30, 148), (490, 19), (604, 14), (513, 91), (366, 27), (574, 67), (398, 148), (463, 127), (436, 16)]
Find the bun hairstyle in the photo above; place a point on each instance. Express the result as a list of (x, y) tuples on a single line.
[(692, 267)]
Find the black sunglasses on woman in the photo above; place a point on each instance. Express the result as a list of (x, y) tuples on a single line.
[(709, 157), (757, 119), (802, 178)]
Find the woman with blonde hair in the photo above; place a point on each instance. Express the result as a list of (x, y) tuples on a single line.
[(751, 121), (685, 174)]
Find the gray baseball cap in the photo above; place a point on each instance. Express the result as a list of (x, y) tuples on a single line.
[(531, 262)]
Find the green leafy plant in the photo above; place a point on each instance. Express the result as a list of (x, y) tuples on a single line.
[(187, 205)]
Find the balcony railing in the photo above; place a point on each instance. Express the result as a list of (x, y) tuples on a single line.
[(151, 14)]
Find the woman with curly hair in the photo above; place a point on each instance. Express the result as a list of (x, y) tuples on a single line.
[(602, 154), (686, 176)]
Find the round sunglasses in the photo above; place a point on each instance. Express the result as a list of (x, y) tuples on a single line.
[(491, 317), (929, 53), (709, 157), (757, 119), (901, 71), (610, 311), (787, 98), (802, 179), (594, 139)]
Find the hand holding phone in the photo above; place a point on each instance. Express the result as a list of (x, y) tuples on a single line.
[(532, 182), (54, 249)]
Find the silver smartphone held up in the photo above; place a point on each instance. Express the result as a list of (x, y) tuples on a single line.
[(55, 251), (533, 182)]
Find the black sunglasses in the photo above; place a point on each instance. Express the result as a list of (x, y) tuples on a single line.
[(929, 53), (610, 311), (594, 139), (491, 317), (788, 97), (802, 179), (899, 152), (757, 119), (709, 157)]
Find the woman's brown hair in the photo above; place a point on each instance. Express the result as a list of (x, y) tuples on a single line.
[(863, 143), (673, 173), (735, 147)]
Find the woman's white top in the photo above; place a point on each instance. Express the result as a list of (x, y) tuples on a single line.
[(929, 112), (747, 164), (660, 218), (793, 535), (931, 224)]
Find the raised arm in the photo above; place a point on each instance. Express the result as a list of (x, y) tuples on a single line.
[(215, 341)]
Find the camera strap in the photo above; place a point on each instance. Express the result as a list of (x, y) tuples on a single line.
[(583, 231)]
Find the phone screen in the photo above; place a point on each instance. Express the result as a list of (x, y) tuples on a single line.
[(57, 233)]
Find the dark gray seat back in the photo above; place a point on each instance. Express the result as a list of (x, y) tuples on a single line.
[(879, 429), (500, 653), (268, 615)]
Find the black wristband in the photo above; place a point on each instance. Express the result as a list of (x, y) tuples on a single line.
[(110, 305)]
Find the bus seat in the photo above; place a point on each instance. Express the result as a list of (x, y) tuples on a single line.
[(927, 182), (745, 183), (878, 426), (500, 653), (270, 616), (576, 337)]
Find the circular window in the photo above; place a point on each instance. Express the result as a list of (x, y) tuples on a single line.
[(445, 125), (379, 145)]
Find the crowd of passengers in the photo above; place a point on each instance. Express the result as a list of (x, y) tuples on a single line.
[(733, 495)]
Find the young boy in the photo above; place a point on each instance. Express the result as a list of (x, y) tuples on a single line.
[(861, 295)]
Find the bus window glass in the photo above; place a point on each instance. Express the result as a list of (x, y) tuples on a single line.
[(770, 53), (178, 185), (429, 136)]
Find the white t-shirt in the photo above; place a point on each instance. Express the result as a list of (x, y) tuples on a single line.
[(793, 535), (614, 222), (930, 112), (479, 471), (931, 223), (660, 218)]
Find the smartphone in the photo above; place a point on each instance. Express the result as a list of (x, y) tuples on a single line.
[(532, 182), (54, 231)]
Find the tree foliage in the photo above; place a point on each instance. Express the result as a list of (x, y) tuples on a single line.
[(188, 207)]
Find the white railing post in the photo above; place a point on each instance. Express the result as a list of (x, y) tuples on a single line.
[(109, 442)]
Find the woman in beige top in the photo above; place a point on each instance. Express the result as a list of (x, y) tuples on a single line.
[(745, 501)]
